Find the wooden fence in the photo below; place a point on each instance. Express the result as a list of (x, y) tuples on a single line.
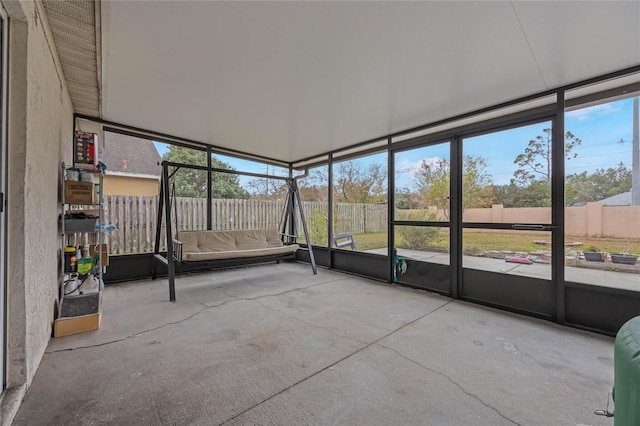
[(359, 218), (135, 218)]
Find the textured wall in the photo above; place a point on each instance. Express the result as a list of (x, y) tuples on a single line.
[(40, 134), (17, 130)]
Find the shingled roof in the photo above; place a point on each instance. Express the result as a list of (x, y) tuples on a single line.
[(623, 199), (131, 155)]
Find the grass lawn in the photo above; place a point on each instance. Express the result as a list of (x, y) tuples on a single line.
[(371, 241), (514, 240)]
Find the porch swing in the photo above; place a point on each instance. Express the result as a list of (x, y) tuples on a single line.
[(197, 250)]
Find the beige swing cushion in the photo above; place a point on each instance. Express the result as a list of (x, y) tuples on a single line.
[(216, 245)]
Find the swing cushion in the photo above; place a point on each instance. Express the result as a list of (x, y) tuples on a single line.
[(215, 245)]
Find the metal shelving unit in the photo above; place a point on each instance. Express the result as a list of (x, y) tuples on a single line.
[(75, 228)]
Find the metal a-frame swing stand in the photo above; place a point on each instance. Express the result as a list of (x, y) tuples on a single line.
[(287, 228)]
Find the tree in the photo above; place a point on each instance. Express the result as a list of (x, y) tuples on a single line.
[(405, 200), (535, 161), (477, 185), (315, 187), (193, 183), (354, 183), (270, 189), (536, 194), (601, 184), (433, 182)]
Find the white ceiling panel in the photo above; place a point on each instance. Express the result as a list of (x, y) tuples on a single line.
[(290, 80), (574, 41)]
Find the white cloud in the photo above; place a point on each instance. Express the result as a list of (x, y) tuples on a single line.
[(431, 161), (406, 171), (405, 166), (412, 167)]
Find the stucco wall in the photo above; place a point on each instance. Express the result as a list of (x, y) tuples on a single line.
[(17, 133), (499, 214), (40, 126), (594, 219)]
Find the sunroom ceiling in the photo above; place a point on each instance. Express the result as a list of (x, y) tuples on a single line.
[(289, 80)]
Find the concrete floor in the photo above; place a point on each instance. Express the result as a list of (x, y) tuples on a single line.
[(274, 344)]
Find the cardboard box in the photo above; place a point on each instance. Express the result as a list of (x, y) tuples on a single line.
[(77, 192), (79, 314), (93, 249)]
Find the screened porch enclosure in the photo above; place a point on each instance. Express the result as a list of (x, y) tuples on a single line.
[(487, 208), (471, 182)]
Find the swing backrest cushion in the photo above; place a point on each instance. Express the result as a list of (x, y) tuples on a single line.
[(208, 245)]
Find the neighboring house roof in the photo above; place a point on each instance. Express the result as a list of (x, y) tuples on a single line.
[(130, 155), (623, 199)]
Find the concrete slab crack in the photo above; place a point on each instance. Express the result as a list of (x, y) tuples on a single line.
[(297, 289), (282, 292), (140, 332), (456, 384), (205, 307)]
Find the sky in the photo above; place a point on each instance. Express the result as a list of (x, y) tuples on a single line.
[(599, 127)]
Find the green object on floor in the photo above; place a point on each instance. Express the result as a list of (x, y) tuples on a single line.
[(627, 374)]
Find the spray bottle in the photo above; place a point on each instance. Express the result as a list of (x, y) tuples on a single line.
[(84, 264)]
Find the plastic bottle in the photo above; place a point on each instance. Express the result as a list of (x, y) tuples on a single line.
[(96, 263), (90, 283), (85, 263), (71, 285), (70, 257)]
